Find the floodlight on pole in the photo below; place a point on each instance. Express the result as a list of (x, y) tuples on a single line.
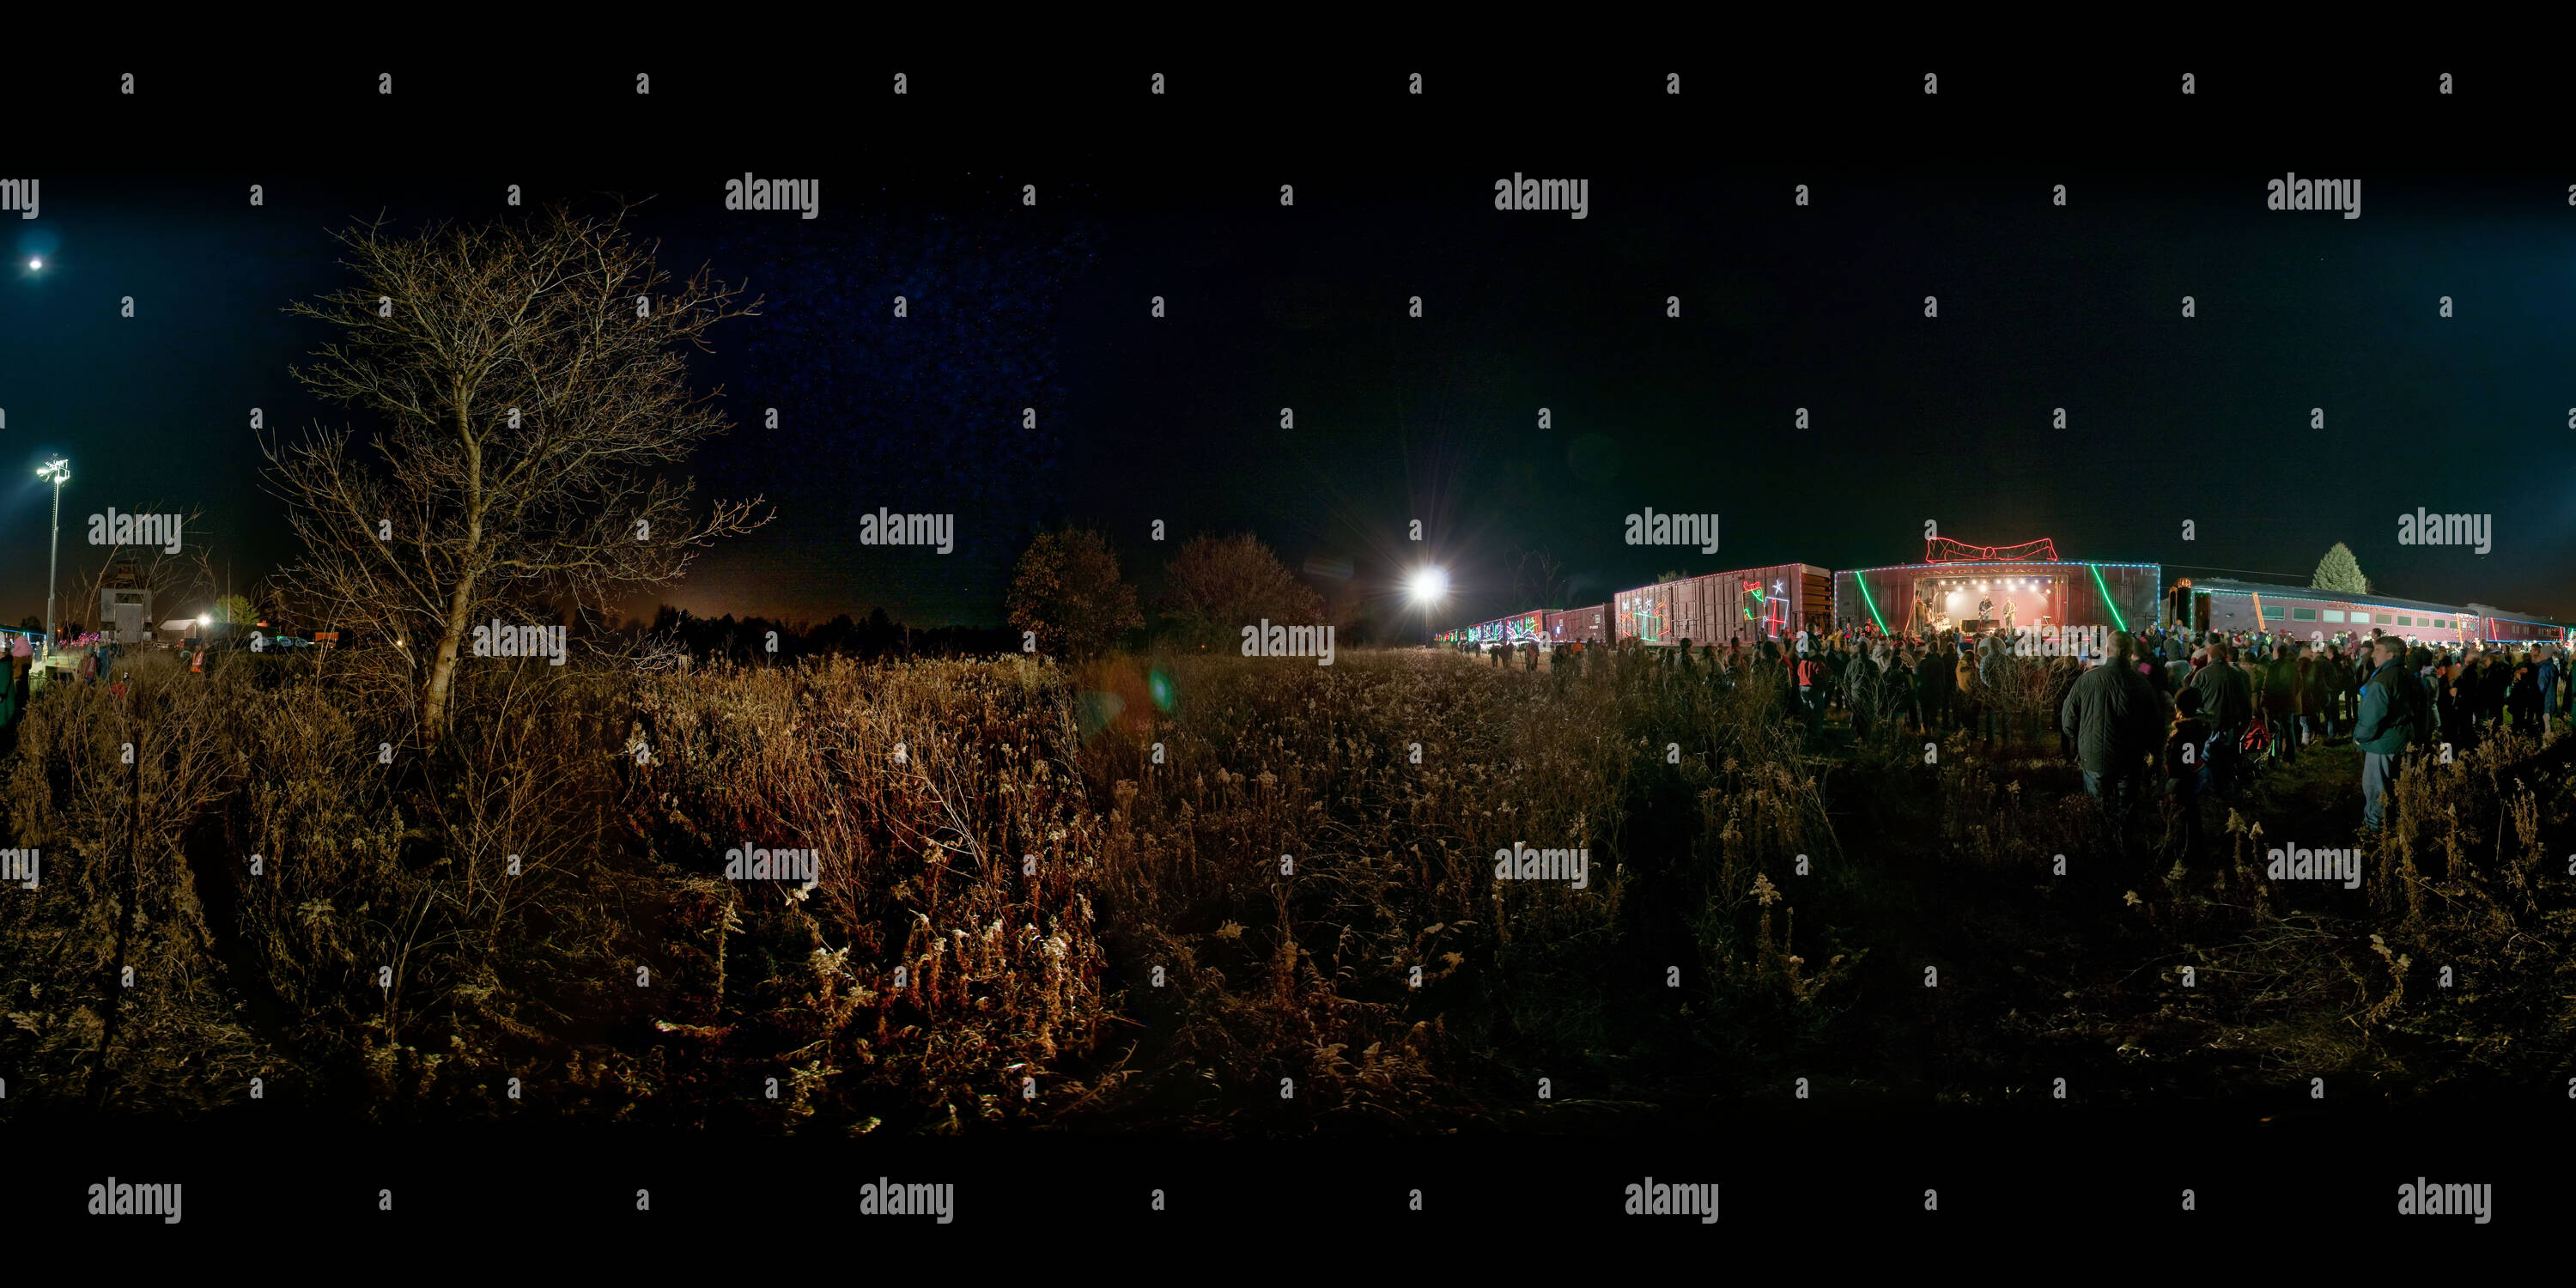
[(1428, 585), (59, 471)]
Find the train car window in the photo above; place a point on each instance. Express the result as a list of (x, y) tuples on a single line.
[(2334, 614), (2303, 614)]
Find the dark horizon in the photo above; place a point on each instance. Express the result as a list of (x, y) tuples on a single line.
[(1177, 419)]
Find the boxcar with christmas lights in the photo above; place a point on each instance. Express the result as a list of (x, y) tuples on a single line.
[(1978, 588), (1750, 605), (1519, 628), (1579, 625)]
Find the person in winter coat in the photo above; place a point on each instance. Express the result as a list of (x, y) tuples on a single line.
[(1814, 681), (2227, 703), (1991, 665), (2318, 689), (2492, 687), (2063, 671), (2547, 671), (1860, 694), (1899, 702), (1966, 694), (1936, 680), (2114, 718), (2450, 710), (2386, 724), (2184, 774), (2522, 698), (2281, 704)]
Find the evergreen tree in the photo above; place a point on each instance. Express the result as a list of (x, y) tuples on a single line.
[(2341, 572)]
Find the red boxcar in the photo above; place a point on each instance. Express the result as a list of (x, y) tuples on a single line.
[(1751, 604), (1579, 625)]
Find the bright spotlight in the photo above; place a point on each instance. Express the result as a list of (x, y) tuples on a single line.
[(36, 263), (1429, 585), (205, 619)]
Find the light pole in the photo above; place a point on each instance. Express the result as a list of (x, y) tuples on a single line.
[(60, 471), (1428, 586)]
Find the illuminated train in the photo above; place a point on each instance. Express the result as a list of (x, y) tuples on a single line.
[(1750, 604), (1977, 588), (2221, 605)]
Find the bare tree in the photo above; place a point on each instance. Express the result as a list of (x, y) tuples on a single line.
[(529, 380), (169, 577), (1067, 592), (1539, 580)]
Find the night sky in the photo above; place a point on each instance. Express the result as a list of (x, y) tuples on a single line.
[(1949, 419)]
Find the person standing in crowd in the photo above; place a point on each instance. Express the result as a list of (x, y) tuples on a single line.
[(1936, 677), (2450, 712), (2227, 703), (2316, 698), (2546, 672), (2063, 671), (1992, 669), (2391, 710), (2112, 715), (2522, 698), (2281, 704), (2328, 682), (2185, 774), (2492, 687), (21, 656), (1860, 694), (1963, 673)]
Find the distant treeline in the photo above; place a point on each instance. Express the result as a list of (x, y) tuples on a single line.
[(877, 635)]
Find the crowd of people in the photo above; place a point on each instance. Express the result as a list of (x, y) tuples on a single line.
[(2163, 712)]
